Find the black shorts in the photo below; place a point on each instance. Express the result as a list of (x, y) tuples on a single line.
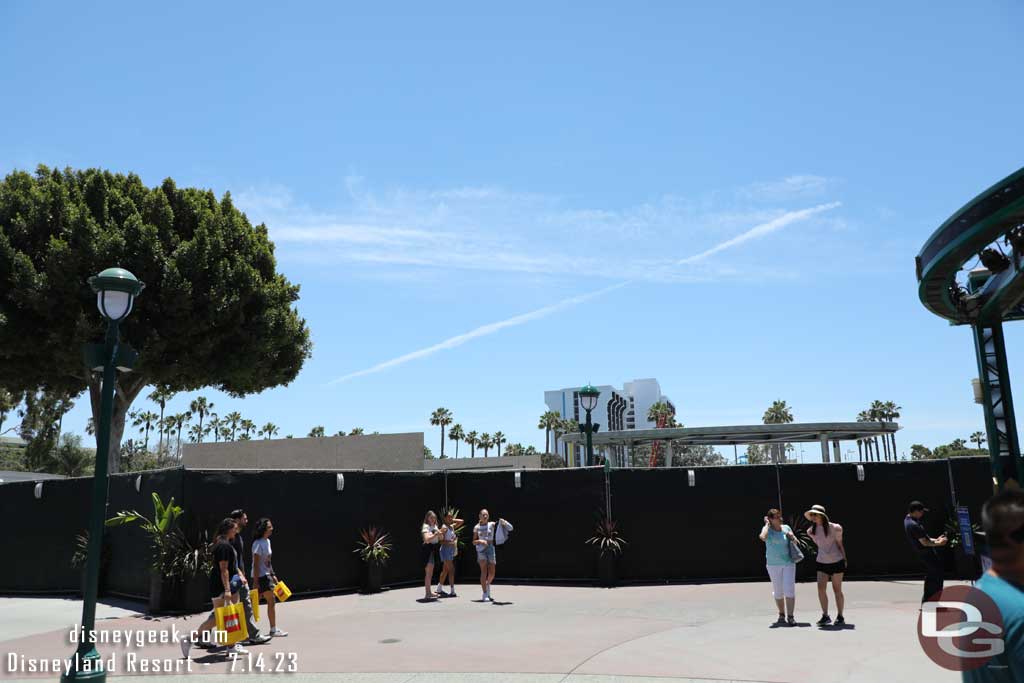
[(832, 567), (265, 584), (428, 554)]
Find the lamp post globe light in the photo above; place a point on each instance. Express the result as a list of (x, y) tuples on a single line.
[(116, 290), (588, 400)]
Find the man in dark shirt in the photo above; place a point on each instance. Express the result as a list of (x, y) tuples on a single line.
[(255, 637), (924, 547)]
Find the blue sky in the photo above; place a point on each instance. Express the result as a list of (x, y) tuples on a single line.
[(428, 170)]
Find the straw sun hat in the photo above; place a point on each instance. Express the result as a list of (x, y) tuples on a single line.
[(817, 510)]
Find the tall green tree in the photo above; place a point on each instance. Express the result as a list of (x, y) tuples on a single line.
[(233, 419), (442, 417), (497, 440), (778, 413), (485, 442), (8, 402), (41, 414), (247, 427), (317, 432), (548, 422), (892, 413), (978, 438), (456, 434), (202, 407), (269, 430), (145, 420), (472, 441), (215, 311), (357, 431), (179, 421), (160, 396)]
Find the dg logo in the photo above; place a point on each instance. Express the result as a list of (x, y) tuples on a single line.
[(960, 629)]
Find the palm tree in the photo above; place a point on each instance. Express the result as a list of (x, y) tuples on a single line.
[(145, 420), (485, 442), (160, 396), (201, 407), (515, 449), (864, 416), (473, 442), (168, 428), (195, 434), (497, 440), (456, 434), (567, 426), (441, 417), (356, 431), (317, 432), (341, 432), (180, 420), (269, 430), (233, 419), (225, 432), (247, 427), (877, 413), (213, 427), (892, 413), (548, 422), (978, 438), (778, 413)]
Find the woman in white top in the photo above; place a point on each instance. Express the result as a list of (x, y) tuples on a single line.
[(831, 561), (263, 572), (431, 536)]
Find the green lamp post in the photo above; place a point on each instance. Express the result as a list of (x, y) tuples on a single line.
[(588, 400), (116, 290)]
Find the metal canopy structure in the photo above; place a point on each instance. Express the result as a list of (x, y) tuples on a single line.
[(989, 228), (806, 432)]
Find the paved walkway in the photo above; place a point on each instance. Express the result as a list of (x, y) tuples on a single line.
[(717, 632)]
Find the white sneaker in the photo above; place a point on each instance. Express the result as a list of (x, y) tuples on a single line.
[(277, 633), (485, 598), (239, 650), (186, 647)]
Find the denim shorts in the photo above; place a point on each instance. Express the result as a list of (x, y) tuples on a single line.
[(488, 555), (447, 553)]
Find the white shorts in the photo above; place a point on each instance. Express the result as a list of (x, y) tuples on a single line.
[(783, 580)]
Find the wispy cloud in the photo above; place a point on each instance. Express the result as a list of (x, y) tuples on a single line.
[(788, 188), (481, 331), (756, 232)]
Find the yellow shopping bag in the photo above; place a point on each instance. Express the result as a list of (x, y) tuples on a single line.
[(281, 591), (254, 598), (231, 620)]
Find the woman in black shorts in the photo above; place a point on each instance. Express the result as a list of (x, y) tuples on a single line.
[(431, 536), (263, 574), (831, 561), (225, 581)]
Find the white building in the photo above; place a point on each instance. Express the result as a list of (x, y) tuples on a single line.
[(617, 409)]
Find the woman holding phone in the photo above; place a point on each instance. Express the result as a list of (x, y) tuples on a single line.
[(431, 535), (781, 568), (448, 551)]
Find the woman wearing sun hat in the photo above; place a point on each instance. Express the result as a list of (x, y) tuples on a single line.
[(831, 561)]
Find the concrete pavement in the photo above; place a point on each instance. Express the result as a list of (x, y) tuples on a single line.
[(717, 632)]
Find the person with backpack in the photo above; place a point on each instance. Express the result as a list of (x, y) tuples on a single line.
[(781, 567), (449, 549), (486, 536)]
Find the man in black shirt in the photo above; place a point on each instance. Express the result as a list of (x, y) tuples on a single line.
[(255, 637), (924, 547)]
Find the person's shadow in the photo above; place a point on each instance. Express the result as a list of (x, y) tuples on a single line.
[(501, 604), (799, 624), (427, 600), (840, 627)]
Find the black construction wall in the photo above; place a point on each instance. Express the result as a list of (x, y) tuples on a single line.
[(554, 513), (675, 532), (315, 525)]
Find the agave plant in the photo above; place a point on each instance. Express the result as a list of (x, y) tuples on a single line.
[(373, 545), (607, 538), (800, 526)]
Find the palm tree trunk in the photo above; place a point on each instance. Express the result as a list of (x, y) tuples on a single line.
[(860, 450), (457, 448), (547, 439), (442, 441), (893, 435)]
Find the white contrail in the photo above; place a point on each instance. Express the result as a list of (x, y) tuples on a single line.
[(760, 231), (484, 330), (481, 331)]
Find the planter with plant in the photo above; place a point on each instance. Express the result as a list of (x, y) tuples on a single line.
[(374, 549), (81, 553), (610, 545), (968, 568), (174, 560)]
